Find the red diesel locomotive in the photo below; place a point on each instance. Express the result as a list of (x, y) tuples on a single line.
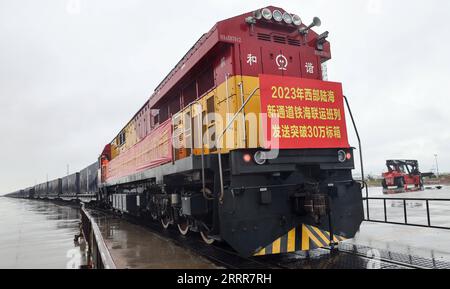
[(244, 142)]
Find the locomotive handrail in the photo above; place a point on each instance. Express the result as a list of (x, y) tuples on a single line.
[(221, 136), (189, 106), (409, 199), (237, 114), (244, 129), (364, 185)]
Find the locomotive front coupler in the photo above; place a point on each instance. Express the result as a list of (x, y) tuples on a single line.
[(309, 200)]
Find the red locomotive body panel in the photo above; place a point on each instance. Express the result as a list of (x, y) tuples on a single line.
[(269, 44), (234, 48), (265, 43)]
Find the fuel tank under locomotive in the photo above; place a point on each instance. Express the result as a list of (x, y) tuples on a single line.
[(300, 187)]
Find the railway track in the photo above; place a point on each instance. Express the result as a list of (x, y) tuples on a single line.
[(350, 256), (345, 256), (393, 258), (375, 262), (338, 259)]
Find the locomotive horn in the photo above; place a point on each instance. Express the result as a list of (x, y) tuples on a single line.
[(315, 23)]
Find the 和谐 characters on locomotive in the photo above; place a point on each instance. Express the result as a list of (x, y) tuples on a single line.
[(243, 142)]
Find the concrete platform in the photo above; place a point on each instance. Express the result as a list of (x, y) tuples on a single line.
[(135, 247), (423, 242)]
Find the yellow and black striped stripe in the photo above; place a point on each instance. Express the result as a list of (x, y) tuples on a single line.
[(302, 238)]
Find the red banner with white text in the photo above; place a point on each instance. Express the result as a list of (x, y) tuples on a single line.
[(303, 113)]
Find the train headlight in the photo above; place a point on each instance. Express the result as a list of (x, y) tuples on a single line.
[(277, 15), (267, 14), (257, 14), (260, 158), (296, 20), (287, 18), (342, 156)]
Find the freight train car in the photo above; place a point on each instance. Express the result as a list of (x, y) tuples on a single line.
[(70, 187), (80, 186), (16, 194), (244, 141), (29, 193), (88, 183), (41, 190), (54, 189)]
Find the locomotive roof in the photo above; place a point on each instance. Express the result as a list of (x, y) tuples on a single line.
[(203, 45), (206, 42)]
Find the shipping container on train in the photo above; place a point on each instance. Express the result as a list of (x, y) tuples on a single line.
[(70, 186), (41, 190), (54, 189), (244, 141), (88, 183), (29, 192)]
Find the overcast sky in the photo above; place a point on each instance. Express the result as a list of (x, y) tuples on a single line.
[(72, 75)]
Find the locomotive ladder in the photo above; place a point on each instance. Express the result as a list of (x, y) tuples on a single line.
[(363, 182)]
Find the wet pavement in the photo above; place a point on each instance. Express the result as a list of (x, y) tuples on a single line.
[(423, 242), (36, 234), (136, 247)]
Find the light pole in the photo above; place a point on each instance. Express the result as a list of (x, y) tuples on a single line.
[(437, 165)]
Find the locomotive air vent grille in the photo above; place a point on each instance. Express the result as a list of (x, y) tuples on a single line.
[(279, 39), (294, 42), (263, 36)]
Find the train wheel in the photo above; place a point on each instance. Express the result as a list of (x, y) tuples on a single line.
[(206, 238), (183, 227), (165, 222)]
